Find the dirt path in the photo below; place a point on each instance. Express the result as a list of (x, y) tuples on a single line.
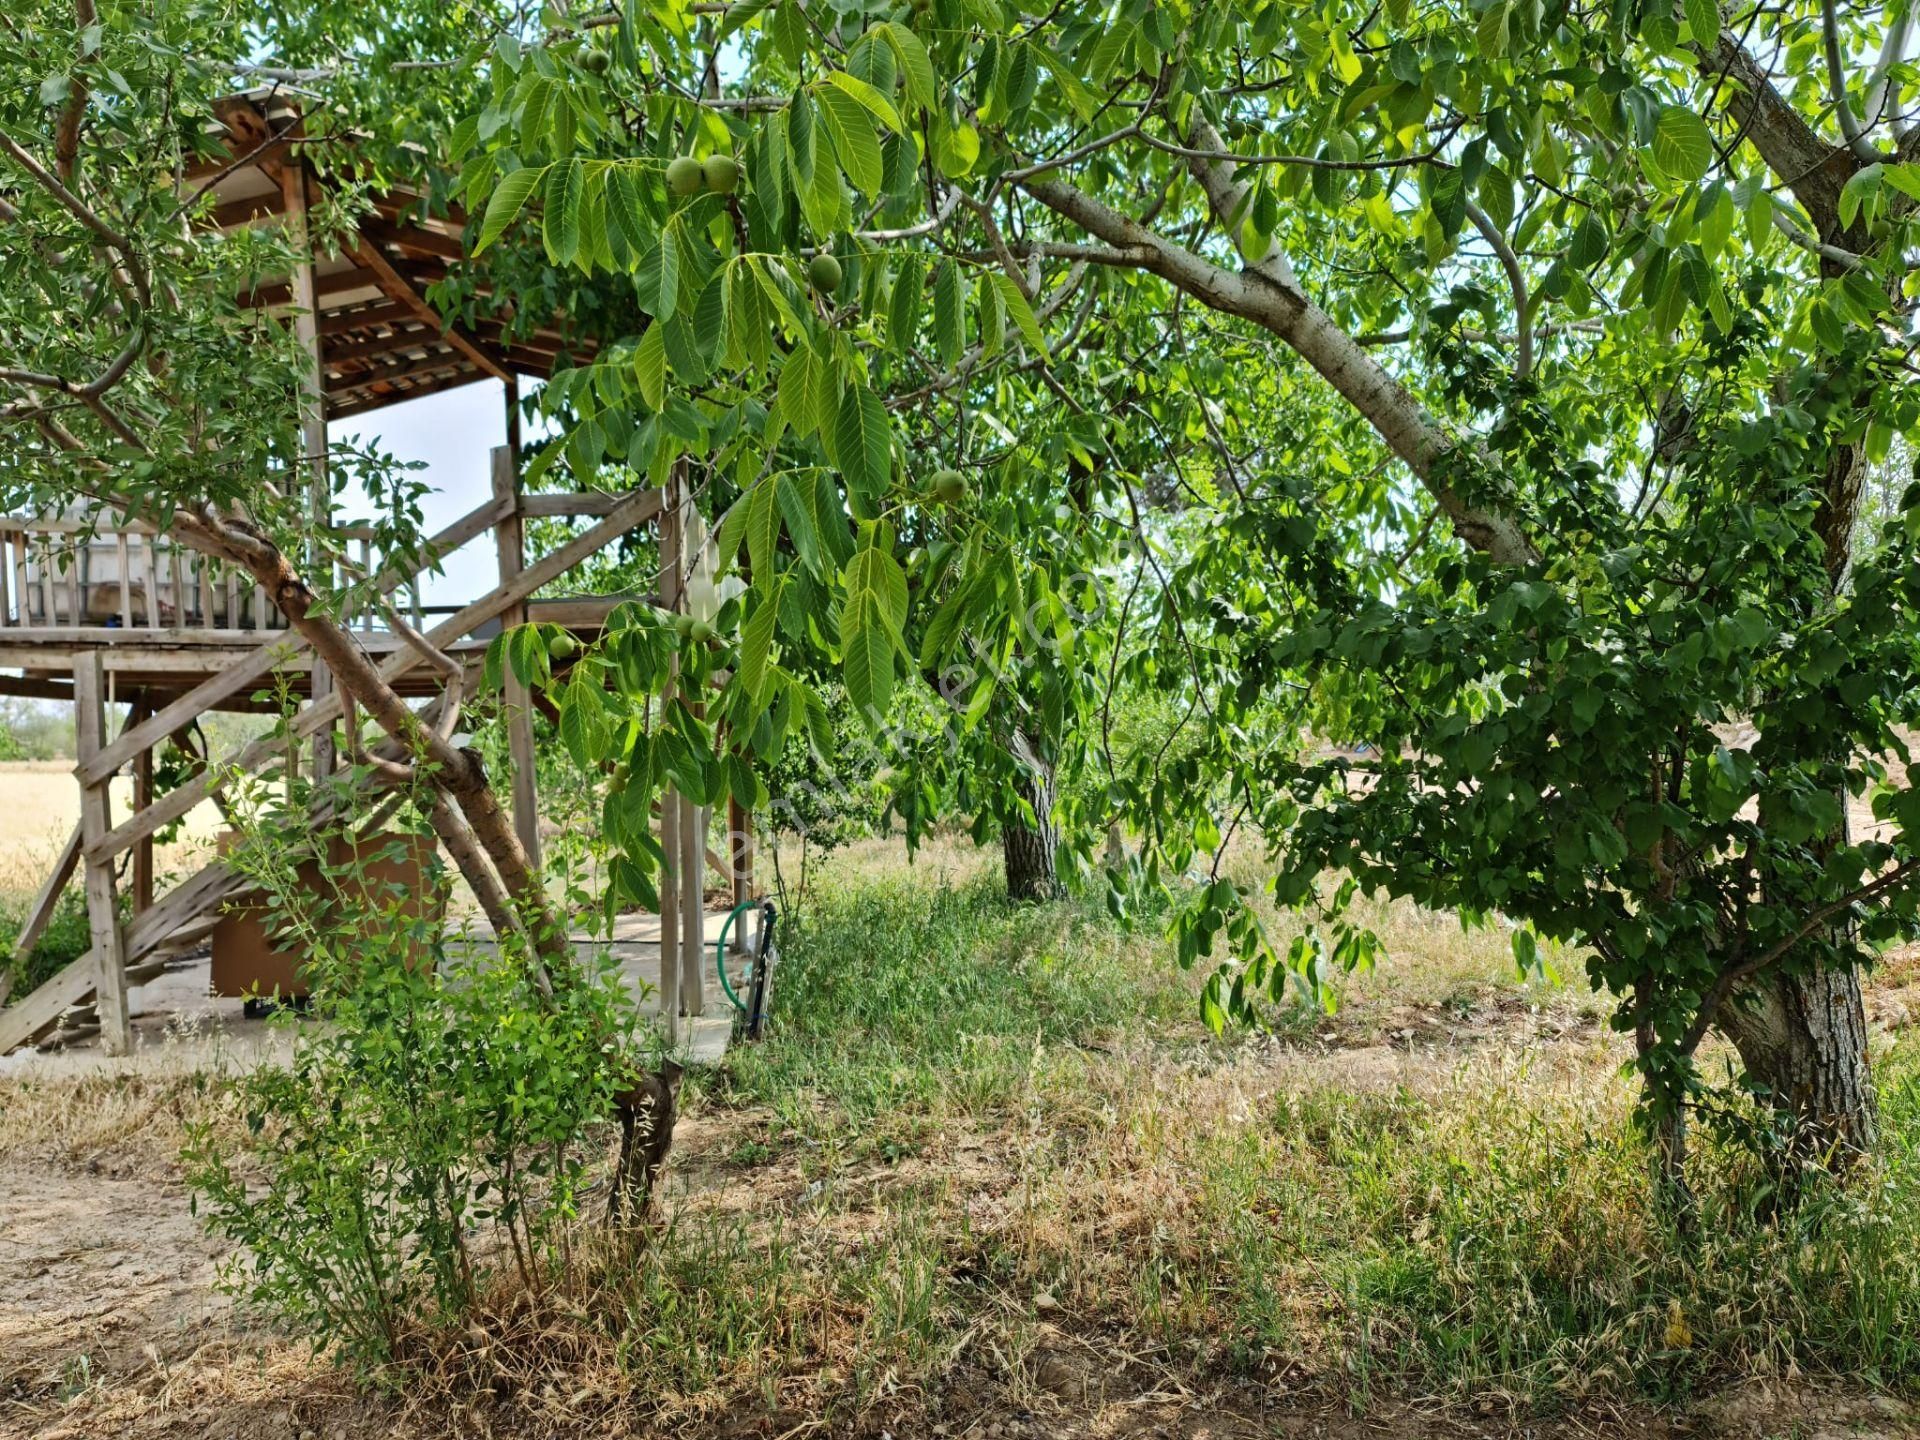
[(106, 1276)]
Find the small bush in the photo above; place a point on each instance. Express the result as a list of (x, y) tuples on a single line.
[(425, 1141), (66, 938)]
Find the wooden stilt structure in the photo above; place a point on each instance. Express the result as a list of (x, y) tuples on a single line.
[(100, 609)]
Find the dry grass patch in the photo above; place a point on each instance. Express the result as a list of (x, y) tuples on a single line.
[(988, 1171)]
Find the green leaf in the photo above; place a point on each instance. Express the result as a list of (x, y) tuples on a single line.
[(1703, 19), (650, 366), (914, 62), (756, 640), (797, 513), (738, 17), (1861, 188), (863, 439), (1083, 102), (560, 232), (1022, 312), (877, 104), (763, 529), (870, 624), (949, 312), (1682, 144), (1590, 242), (853, 139), (903, 306), (508, 199), (658, 276)]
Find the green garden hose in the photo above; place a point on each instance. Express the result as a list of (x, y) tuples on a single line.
[(720, 952)]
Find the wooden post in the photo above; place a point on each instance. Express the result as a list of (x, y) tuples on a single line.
[(142, 798), (740, 861), (679, 890), (313, 414), (103, 917), (510, 540), (670, 914), (693, 907)]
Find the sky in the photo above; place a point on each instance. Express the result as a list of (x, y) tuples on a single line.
[(453, 434)]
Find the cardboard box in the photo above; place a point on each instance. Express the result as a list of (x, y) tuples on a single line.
[(245, 958)]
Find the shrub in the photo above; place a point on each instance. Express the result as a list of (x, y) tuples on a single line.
[(66, 938), (421, 1144)]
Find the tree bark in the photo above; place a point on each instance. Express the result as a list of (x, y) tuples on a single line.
[(1803, 1038), (1031, 851)]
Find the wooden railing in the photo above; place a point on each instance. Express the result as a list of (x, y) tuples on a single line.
[(77, 575), (71, 575)]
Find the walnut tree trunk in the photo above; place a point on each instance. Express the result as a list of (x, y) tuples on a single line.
[(1032, 851), (1803, 1039)]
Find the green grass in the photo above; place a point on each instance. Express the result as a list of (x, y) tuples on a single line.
[(1477, 1226), (901, 1001)]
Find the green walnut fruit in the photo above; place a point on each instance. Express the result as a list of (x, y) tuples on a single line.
[(702, 633), (685, 177), (618, 780), (563, 646), (823, 273), (594, 62), (721, 173), (949, 487)]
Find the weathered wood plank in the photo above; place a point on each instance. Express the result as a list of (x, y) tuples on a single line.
[(103, 915), (275, 655), (640, 507), (509, 544), (44, 901)]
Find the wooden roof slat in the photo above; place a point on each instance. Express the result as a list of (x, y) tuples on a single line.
[(345, 321), (343, 351), (406, 370), (400, 287), (380, 402)]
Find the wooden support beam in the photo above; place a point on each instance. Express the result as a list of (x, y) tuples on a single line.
[(670, 887), (413, 239), (34, 688), (678, 891), (40, 912), (103, 913), (641, 507), (313, 424), (401, 288), (591, 502), (142, 798), (509, 542), (693, 906), (26, 1018), (246, 211), (739, 862)]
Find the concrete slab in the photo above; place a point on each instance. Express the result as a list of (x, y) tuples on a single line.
[(174, 1015)]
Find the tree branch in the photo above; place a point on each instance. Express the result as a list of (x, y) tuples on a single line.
[(1285, 310), (1517, 280)]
